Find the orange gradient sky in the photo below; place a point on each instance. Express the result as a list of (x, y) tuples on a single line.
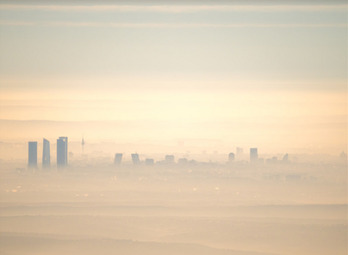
[(267, 75)]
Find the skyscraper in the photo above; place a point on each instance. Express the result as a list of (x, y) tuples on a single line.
[(231, 157), (135, 159), (118, 158), (46, 159), (32, 154), (253, 155), (62, 151)]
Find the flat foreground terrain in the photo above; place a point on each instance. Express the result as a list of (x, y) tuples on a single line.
[(163, 211)]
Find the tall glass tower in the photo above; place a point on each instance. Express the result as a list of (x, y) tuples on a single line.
[(62, 151), (253, 155), (135, 159), (118, 158), (32, 154), (46, 159)]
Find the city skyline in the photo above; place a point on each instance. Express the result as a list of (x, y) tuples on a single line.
[(62, 154), (200, 127)]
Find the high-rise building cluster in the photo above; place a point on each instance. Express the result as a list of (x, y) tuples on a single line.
[(62, 156), (62, 153)]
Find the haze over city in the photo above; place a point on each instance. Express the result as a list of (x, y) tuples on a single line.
[(153, 127)]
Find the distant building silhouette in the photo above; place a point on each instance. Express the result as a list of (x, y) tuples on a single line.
[(83, 144), (286, 158), (169, 159), (32, 154), (135, 159), (253, 155), (343, 155), (149, 162), (231, 157), (46, 159), (62, 151), (182, 161), (118, 158)]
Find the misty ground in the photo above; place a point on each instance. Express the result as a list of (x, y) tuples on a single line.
[(175, 209)]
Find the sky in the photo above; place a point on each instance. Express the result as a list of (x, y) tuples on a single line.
[(271, 74)]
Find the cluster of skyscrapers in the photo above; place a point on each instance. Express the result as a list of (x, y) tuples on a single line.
[(62, 153)]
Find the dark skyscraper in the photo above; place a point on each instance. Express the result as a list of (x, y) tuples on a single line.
[(253, 155), (46, 158), (118, 158), (62, 151), (32, 154), (135, 159)]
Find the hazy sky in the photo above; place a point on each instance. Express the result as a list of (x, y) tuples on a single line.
[(250, 71)]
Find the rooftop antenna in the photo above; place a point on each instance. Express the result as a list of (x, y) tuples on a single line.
[(83, 144)]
